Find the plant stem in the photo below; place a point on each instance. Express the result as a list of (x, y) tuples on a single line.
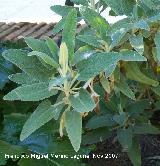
[(92, 4), (73, 81), (59, 103)]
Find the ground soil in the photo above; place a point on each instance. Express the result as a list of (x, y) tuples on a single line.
[(150, 150), (109, 146)]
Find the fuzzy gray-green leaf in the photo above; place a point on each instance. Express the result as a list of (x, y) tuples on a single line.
[(32, 92), (125, 137), (69, 32), (125, 89), (82, 101), (157, 42), (96, 63), (131, 56), (47, 59), (116, 6), (43, 114), (30, 65), (53, 48), (90, 40), (61, 10), (22, 78), (96, 21), (59, 26), (134, 152), (145, 129), (37, 45), (100, 121), (78, 2), (56, 81), (137, 43), (73, 124)]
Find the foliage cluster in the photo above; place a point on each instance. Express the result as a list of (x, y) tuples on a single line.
[(106, 75)]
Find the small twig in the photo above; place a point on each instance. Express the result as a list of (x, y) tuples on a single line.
[(73, 81)]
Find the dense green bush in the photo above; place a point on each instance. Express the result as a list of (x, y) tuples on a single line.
[(106, 75)]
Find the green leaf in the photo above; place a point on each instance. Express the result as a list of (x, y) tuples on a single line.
[(125, 137), (37, 45), (96, 63), (106, 61), (69, 32), (120, 30), (131, 56), (109, 72), (61, 10), (10, 150), (73, 124), (116, 6), (105, 84), (43, 114), (117, 36), (138, 12), (100, 121), (141, 24), (53, 48), (128, 24), (96, 21), (59, 26), (30, 65), (13, 123), (156, 90), (121, 7), (90, 40), (80, 2), (6, 69), (47, 59), (134, 153), (125, 89), (127, 6), (154, 18), (157, 42), (34, 162), (133, 72), (56, 81), (82, 101), (120, 119), (134, 109), (137, 43), (148, 3), (22, 78), (2, 161), (121, 24), (32, 92), (83, 53), (96, 136), (145, 129)]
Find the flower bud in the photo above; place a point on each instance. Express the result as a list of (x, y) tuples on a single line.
[(63, 58)]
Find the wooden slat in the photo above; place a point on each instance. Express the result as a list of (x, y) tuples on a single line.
[(43, 30), (2, 23), (17, 31), (47, 34), (30, 31), (10, 30), (15, 34), (6, 26)]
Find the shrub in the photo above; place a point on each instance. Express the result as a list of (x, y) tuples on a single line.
[(106, 75)]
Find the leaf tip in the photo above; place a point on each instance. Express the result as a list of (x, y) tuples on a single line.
[(22, 137), (7, 97)]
